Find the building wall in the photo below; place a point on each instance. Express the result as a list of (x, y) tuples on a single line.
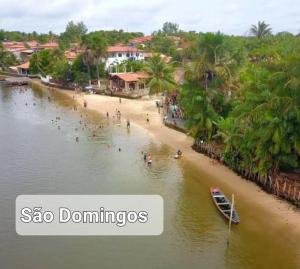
[(119, 57)]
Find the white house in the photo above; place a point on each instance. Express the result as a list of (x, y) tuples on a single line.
[(118, 54)]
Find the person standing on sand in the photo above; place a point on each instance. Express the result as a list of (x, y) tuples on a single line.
[(107, 115), (119, 115), (147, 119), (120, 100), (85, 103), (128, 124)]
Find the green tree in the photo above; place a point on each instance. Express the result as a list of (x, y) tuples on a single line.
[(88, 60), (161, 75), (74, 32), (261, 29), (7, 59), (161, 44), (197, 104), (97, 45), (170, 28), (61, 71), (44, 61)]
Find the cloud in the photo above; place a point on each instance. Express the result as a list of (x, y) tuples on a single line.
[(231, 17)]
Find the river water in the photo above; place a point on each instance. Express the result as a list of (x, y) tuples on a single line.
[(39, 155)]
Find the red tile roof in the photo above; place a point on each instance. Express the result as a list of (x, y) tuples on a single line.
[(70, 55), (122, 49), (148, 54), (23, 66), (50, 45), (142, 39), (32, 43), (129, 77)]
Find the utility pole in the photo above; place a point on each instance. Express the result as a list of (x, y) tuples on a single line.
[(230, 220)]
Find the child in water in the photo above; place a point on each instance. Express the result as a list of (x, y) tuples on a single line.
[(149, 159)]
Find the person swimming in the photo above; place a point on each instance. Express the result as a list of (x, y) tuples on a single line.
[(149, 159), (178, 154)]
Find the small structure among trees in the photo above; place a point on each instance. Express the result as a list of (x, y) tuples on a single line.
[(128, 84)]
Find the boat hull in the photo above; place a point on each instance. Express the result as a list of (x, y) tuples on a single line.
[(224, 205)]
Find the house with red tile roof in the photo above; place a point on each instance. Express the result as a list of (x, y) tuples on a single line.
[(20, 49), (50, 45), (141, 40), (118, 54), (22, 69), (128, 84), (70, 55)]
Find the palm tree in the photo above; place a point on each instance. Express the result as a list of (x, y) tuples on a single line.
[(88, 58), (199, 71), (198, 106), (161, 75), (261, 29), (97, 44)]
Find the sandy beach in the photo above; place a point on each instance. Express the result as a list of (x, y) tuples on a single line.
[(277, 211)]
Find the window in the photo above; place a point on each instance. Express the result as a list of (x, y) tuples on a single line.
[(127, 55), (120, 55), (137, 54)]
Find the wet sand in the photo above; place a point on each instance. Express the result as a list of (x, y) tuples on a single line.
[(277, 211)]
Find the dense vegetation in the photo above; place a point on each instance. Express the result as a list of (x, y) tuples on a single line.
[(23, 37), (6, 58), (88, 65), (245, 94)]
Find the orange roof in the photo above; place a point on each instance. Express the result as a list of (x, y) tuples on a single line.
[(141, 39), (16, 49), (23, 66), (50, 45), (148, 54), (12, 44), (122, 49), (129, 77), (70, 55), (32, 44)]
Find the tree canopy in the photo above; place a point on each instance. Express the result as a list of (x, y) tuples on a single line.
[(161, 75), (244, 92), (261, 29)]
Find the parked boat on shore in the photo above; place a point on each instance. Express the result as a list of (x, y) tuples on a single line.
[(224, 205)]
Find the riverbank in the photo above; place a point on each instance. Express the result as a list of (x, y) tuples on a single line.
[(277, 211)]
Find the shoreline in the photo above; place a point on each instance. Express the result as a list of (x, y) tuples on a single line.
[(136, 111)]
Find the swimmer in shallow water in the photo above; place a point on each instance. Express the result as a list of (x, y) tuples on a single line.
[(149, 159)]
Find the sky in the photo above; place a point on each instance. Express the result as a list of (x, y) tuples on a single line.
[(228, 16)]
